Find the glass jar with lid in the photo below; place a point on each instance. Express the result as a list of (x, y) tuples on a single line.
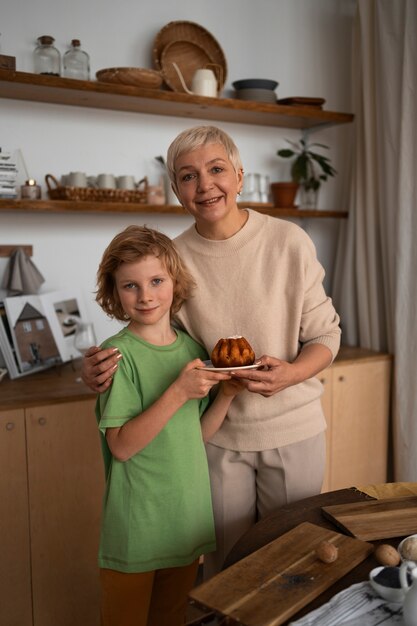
[(76, 62), (30, 190), (47, 58)]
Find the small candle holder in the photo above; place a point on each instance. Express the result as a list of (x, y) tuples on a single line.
[(30, 190)]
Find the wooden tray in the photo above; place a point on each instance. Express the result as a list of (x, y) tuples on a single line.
[(377, 519), (303, 102), (270, 585)]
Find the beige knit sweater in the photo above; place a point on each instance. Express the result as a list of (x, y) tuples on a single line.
[(264, 283)]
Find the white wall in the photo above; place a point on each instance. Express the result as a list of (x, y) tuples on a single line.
[(303, 44)]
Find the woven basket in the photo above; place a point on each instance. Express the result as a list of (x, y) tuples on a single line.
[(189, 57), (80, 194), (190, 39), (135, 76)]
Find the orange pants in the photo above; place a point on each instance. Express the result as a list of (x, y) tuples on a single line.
[(157, 598)]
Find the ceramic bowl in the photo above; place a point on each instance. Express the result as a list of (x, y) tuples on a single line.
[(255, 83), (400, 549), (392, 594), (256, 95)]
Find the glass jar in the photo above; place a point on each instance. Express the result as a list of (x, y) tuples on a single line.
[(30, 190), (76, 62), (47, 58)]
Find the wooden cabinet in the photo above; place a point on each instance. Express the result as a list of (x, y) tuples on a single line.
[(356, 403), (51, 489), (15, 576)]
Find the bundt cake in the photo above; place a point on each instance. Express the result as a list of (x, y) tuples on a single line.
[(232, 352)]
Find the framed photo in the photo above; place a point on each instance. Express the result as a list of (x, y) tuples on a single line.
[(41, 328)]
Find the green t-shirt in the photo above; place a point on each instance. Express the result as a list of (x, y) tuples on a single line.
[(157, 510)]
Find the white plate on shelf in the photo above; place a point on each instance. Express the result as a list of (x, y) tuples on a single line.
[(210, 368)]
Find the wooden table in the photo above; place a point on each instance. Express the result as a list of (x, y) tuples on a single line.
[(285, 519)]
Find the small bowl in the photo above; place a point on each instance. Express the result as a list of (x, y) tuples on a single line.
[(400, 547), (257, 95), (255, 83), (392, 594)]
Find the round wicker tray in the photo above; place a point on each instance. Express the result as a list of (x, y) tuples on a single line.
[(135, 76), (191, 40), (189, 57)]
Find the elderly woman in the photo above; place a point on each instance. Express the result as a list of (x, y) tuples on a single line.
[(257, 276)]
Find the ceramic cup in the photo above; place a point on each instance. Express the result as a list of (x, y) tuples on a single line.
[(77, 179), (125, 182), (106, 181)]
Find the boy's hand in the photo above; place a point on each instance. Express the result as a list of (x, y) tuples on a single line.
[(195, 382), (232, 387)]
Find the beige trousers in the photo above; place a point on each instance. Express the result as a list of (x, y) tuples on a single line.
[(247, 486)]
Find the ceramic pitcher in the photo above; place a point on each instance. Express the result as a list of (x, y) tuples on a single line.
[(203, 83)]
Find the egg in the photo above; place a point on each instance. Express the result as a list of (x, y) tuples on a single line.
[(327, 552), (387, 555), (409, 549)]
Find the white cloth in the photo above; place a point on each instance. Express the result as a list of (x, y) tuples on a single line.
[(358, 605), (21, 276)]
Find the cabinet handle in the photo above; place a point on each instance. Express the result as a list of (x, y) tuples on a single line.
[(323, 381), (9, 425), (42, 421), (341, 379)]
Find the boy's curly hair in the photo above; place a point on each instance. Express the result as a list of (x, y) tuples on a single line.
[(133, 243)]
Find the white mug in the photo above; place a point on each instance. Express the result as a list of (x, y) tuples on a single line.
[(77, 179), (125, 182), (106, 181)]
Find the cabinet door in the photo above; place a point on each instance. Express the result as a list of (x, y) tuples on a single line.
[(66, 484), (360, 417), (326, 401), (15, 588)]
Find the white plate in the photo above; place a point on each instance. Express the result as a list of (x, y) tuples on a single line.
[(210, 368)]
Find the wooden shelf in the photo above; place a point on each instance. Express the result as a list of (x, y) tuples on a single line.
[(66, 206), (67, 91)]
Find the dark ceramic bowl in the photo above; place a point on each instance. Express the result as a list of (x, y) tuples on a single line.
[(255, 83)]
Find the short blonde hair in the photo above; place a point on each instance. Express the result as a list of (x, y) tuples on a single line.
[(194, 138), (133, 243)]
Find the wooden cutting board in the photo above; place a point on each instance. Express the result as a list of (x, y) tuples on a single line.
[(376, 519), (270, 585)]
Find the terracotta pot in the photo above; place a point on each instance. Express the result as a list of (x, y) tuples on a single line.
[(283, 194)]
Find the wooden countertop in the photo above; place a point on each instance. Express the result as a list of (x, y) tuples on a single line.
[(52, 386), (60, 384)]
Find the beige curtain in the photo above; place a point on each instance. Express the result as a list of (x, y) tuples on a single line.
[(375, 285)]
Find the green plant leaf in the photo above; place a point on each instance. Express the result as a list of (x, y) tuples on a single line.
[(325, 166)]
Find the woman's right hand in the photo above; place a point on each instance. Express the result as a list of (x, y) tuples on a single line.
[(98, 367)]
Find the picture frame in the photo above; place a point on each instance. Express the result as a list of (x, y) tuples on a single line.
[(37, 331)]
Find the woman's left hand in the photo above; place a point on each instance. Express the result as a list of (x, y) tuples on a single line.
[(277, 375), (274, 376)]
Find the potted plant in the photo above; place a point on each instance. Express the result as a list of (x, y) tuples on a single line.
[(308, 170)]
